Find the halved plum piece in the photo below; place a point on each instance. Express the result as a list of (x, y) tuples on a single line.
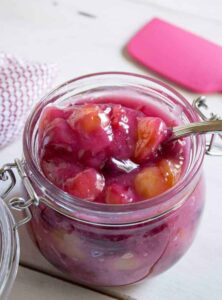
[(93, 127), (86, 185), (124, 124), (151, 132)]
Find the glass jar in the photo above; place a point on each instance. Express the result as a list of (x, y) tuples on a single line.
[(100, 244), (113, 245)]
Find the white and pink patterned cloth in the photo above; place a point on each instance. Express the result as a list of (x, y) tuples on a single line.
[(22, 84)]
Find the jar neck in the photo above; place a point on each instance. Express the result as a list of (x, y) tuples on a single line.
[(9, 250), (93, 86)]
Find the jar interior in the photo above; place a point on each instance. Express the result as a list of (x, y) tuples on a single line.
[(96, 87)]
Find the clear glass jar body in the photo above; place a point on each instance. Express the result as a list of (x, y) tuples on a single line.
[(100, 244)]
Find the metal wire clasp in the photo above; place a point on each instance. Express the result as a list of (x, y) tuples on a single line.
[(212, 147), (18, 203)]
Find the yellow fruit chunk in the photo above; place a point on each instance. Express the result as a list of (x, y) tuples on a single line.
[(150, 182), (126, 262), (170, 170), (90, 121), (68, 244)]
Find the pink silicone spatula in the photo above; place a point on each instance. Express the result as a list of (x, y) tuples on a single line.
[(181, 56)]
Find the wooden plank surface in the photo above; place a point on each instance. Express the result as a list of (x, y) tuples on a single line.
[(205, 9), (32, 285)]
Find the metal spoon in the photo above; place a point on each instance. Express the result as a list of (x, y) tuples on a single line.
[(212, 126), (175, 133)]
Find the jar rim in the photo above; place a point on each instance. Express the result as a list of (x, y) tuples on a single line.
[(109, 209)]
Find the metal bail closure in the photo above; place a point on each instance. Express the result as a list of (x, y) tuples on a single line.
[(214, 145), (18, 203)]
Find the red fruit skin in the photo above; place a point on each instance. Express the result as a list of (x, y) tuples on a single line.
[(49, 114), (58, 170), (124, 123), (59, 138), (118, 194), (90, 160), (86, 185)]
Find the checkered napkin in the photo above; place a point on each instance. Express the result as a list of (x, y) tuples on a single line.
[(22, 83)]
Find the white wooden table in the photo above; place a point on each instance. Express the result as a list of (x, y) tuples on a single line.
[(88, 36)]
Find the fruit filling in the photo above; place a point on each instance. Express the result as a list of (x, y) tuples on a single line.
[(108, 153)]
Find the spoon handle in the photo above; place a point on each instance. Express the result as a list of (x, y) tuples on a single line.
[(196, 128)]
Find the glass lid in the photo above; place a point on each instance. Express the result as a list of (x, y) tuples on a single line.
[(9, 250)]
